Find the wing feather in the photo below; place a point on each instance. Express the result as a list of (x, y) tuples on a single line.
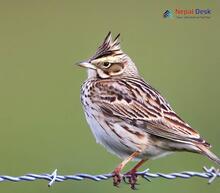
[(138, 104)]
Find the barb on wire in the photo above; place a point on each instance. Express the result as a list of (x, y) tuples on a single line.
[(210, 174)]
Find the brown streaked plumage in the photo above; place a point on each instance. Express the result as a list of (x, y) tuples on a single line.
[(128, 116)]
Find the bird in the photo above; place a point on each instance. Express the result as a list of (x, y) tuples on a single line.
[(129, 117)]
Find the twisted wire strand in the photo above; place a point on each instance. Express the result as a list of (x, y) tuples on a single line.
[(210, 174)]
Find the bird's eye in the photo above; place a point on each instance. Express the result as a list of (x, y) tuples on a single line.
[(106, 64)]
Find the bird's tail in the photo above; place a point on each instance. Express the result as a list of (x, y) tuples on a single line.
[(205, 151)]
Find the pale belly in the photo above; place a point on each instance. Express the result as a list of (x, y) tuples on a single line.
[(122, 142)]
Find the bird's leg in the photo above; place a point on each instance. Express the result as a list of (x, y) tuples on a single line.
[(117, 172), (132, 176)]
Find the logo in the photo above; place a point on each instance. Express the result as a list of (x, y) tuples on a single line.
[(179, 13), (167, 14)]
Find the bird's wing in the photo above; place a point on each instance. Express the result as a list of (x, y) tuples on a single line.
[(137, 103)]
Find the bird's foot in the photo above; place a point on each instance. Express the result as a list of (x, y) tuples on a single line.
[(132, 179), (117, 177)]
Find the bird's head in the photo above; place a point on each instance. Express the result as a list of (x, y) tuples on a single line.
[(109, 61)]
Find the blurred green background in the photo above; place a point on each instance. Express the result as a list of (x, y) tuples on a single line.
[(41, 120)]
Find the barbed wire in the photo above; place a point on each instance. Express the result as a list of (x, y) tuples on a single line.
[(210, 174)]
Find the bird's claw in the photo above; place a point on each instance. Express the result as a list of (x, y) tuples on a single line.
[(116, 179), (129, 178), (132, 179)]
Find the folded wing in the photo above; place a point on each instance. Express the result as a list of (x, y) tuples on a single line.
[(137, 103)]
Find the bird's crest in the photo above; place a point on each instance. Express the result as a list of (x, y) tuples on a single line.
[(109, 47)]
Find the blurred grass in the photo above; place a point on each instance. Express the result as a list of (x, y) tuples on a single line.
[(41, 120)]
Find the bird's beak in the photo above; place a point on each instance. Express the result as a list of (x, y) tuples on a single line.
[(86, 64)]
